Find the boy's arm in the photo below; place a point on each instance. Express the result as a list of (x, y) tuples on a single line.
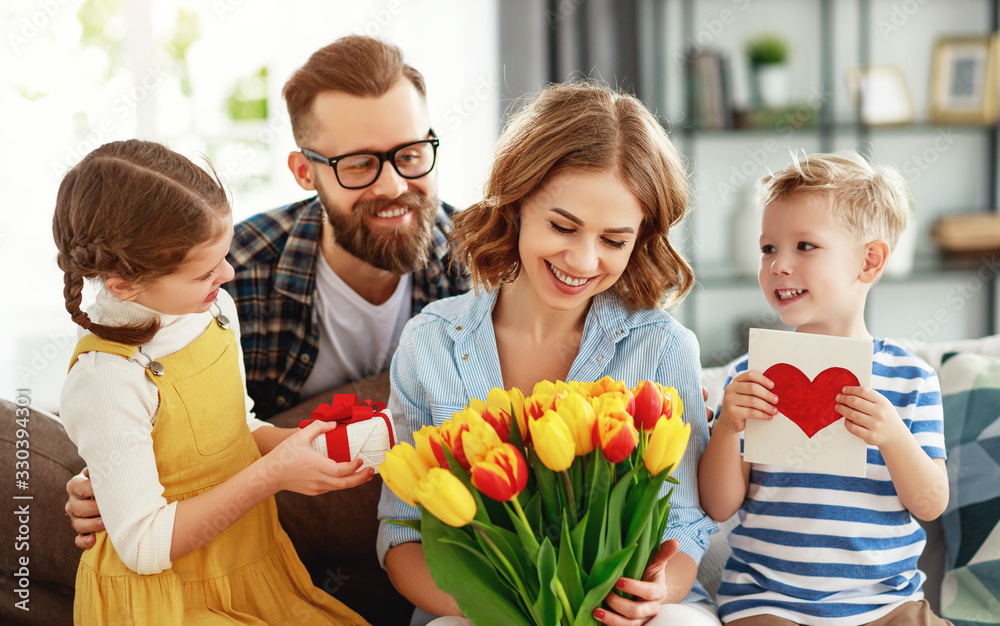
[(920, 481), (723, 476)]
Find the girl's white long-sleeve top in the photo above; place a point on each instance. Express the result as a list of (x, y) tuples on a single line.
[(108, 407)]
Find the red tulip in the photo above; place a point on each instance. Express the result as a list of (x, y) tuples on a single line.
[(648, 405), (502, 474), (499, 419), (614, 432)]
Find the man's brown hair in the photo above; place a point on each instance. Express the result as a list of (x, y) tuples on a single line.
[(355, 65)]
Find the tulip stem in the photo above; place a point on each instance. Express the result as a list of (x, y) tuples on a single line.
[(510, 569), (569, 493), (561, 594), (520, 512)]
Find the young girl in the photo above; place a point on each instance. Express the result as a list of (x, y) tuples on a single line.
[(570, 255), (155, 401)]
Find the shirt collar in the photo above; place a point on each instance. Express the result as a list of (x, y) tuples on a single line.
[(608, 312), (294, 275)]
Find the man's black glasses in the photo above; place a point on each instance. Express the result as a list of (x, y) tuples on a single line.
[(358, 170)]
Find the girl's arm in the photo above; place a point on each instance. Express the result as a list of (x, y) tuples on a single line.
[(292, 465), (268, 437), (108, 411)]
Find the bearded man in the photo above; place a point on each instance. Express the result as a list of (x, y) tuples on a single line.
[(323, 286)]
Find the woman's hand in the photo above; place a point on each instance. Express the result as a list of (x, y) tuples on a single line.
[(294, 465), (648, 594)]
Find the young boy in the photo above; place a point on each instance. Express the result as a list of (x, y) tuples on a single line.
[(816, 548)]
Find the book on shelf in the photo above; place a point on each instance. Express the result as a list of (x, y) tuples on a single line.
[(708, 90)]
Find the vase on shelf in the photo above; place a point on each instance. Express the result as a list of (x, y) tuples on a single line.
[(771, 83)]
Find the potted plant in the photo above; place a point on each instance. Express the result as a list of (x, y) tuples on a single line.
[(768, 56)]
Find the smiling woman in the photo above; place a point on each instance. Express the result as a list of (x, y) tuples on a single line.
[(570, 254)]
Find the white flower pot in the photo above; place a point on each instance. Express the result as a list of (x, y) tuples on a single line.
[(772, 84)]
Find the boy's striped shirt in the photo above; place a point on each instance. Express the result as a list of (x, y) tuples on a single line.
[(825, 549)]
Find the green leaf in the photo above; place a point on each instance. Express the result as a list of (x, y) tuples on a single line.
[(526, 536), (409, 523), (503, 549), (567, 569), (602, 579), (663, 513), (576, 480), (637, 564), (479, 591), (616, 511), (642, 514), (547, 609), (549, 490), (597, 510), (533, 511), (578, 535)]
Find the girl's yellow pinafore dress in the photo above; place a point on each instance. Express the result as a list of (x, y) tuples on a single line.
[(249, 573)]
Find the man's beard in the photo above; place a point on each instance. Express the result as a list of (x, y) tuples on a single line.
[(398, 250)]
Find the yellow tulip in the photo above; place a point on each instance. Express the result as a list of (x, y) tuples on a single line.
[(511, 401), (605, 385), (553, 441), (579, 416), (544, 387), (425, 441), (446, 498), (667, 445), (676, 404), (477, 441), (402, 470)]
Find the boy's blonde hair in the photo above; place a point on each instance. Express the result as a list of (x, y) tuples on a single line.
[(871, 202)]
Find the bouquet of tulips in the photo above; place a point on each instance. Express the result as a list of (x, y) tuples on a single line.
[(533, 507)]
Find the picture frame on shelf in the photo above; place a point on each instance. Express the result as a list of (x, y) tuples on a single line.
[(964, 80), (881, 95)]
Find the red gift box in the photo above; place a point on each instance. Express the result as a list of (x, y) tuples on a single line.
[(355, 429)]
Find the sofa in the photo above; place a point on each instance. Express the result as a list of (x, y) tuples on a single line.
[(335, 533)]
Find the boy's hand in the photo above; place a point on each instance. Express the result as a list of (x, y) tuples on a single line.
[(870, 416), (748, 396)]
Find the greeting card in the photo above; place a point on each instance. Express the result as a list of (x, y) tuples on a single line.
[(808, 372)]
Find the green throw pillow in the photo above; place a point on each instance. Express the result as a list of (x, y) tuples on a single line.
[(970, 389)]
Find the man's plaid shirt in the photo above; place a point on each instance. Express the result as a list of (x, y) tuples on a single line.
[(274, 254)]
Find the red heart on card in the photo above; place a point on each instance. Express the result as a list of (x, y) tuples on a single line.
[(811, 404)]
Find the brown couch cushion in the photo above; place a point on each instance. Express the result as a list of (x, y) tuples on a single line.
[(52, 555)]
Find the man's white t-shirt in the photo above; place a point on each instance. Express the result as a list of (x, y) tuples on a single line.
[(356, 338)]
